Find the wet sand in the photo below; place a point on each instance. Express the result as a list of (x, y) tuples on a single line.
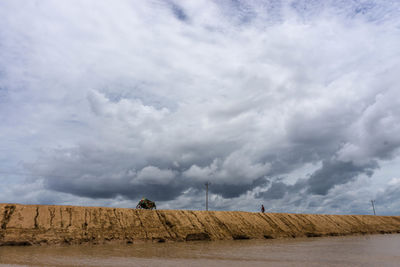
[(368, 250)]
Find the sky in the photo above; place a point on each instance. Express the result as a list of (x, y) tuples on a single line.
[(291, 104)]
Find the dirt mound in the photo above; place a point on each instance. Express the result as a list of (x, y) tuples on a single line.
[(38, 224)]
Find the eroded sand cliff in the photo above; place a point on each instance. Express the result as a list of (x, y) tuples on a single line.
[(39, 224)]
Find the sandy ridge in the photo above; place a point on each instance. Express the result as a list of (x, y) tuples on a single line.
[(41, 224)]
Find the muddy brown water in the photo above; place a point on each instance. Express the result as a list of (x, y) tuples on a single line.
[(372, 250)]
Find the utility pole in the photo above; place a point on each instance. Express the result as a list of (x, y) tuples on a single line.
[(373, 206), (207, 184)]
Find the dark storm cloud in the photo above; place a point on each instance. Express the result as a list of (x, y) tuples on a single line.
[(276, 191), (335, 172), (331, 174), (227, 190), (95, 173)]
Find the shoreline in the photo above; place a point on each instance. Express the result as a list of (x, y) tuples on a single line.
[(24, 225)]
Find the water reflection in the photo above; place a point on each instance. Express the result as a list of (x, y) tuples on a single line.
[(376, 250)]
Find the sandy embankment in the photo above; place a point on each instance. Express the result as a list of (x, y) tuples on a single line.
[(39, 224)]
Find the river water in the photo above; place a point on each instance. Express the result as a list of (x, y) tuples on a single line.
[(372, 250)]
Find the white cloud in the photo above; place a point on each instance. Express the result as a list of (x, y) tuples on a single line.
[(243, 95), (153, 175)]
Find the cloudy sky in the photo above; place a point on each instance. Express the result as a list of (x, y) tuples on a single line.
[(290, 104)]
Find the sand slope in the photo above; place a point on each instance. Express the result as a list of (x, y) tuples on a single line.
[(39, 224)]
